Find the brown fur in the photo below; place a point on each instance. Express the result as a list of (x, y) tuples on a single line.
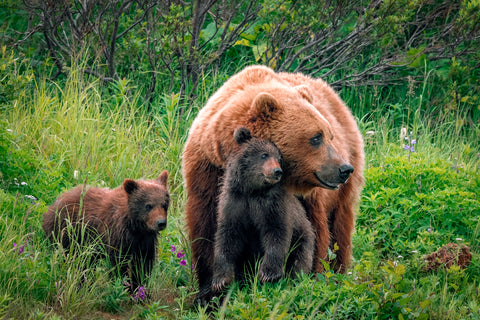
[(127, 220), (289, 110)]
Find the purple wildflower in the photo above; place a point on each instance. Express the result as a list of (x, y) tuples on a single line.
[(21, 249), (141, 294), (180, 254), (173, 248), (183, 262), (406, 147)]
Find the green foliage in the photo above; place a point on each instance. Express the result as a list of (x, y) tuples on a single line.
[(14, 80), (419, 204)]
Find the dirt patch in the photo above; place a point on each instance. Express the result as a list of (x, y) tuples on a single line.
[(448, 255)]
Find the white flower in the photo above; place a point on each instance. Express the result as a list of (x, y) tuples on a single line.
[(414, 251), (23, 183), (371, 132), (76, 174), (403, 133), (459, 239)]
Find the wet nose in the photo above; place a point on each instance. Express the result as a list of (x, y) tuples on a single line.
[(345, 171), (278, 173), (161, 224)]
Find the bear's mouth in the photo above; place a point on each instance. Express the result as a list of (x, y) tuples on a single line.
[(271, 179), (327, 185)]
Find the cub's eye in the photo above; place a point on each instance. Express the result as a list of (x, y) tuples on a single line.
[(165, 206), (316, 140), (148, 207), (265, 156)]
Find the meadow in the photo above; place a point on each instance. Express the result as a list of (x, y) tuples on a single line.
[(422, 191)]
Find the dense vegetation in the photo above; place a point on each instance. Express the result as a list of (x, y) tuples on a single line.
[(98, 91)]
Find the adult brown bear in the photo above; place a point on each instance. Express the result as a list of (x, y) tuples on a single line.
[(321, 146)]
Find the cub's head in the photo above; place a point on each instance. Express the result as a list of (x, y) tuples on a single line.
[(148, 203), (257, 161)]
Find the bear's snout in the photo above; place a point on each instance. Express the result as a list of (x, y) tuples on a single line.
[(277, 173), (161, 224), (272, 171), (332, 176), (345, 171)]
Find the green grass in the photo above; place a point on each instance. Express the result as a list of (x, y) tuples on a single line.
[(411, 205)]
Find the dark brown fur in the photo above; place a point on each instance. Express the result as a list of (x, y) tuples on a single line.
[(259, 218), (127, 220)]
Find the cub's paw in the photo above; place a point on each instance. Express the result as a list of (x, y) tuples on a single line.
[(270, 273), (221, 281)]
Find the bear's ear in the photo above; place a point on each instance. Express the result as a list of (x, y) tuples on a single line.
[(265, 105), (130, 185), (242, 135), (162, 178), (305, 92)]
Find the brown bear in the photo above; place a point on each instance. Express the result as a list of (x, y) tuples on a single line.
[(258, 217), (126, 219), (322, 151)]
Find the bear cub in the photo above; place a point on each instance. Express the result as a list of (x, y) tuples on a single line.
[(258, 217), (126, 220)]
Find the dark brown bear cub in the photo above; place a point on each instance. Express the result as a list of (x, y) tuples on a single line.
[(258, 217), (127, 220)]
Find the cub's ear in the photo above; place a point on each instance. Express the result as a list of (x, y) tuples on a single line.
[(130, 185), (265, 105), (242, 135), (162, 178), (305, 92)]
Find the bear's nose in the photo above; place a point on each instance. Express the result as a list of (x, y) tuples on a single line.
[(278, 173), (345, 171), (161, 224)]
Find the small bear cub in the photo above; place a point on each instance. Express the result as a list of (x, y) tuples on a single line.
[(258, 217), (126, 219)]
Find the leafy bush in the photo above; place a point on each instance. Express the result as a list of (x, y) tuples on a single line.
[(418, 205)]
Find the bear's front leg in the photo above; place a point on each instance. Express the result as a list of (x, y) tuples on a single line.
[(318, 218), (300, 258), (222, 273), (229, 245), (201, 180), (276, 242)]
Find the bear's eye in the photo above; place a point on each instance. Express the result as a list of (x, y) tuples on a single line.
[(165, 206), (316, 140), (264, 155), (148, 207)]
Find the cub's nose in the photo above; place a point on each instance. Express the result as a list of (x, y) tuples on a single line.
[(345, 171), (161, 224), (277, 172)]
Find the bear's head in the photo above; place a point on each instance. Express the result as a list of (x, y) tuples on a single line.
[(304, 137), (148, 203), (257, 162)]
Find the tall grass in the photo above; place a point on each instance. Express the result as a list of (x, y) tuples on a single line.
[(63, 134)]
